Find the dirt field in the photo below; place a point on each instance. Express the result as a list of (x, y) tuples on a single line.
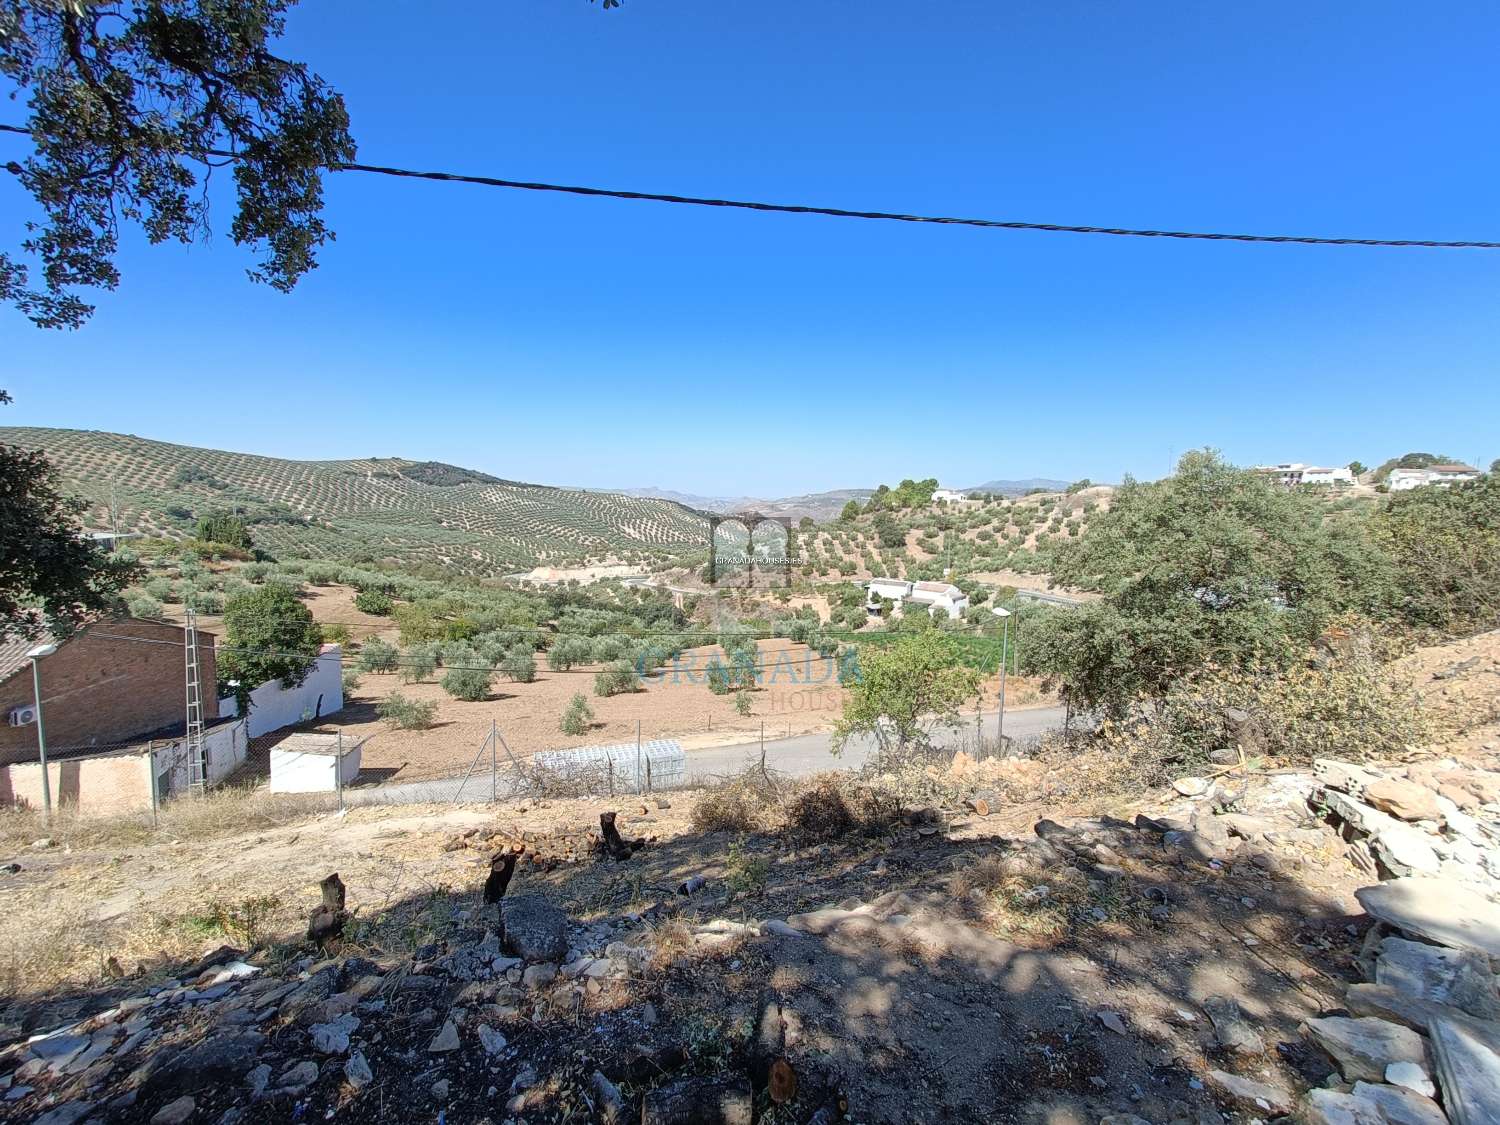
[(801, 694)]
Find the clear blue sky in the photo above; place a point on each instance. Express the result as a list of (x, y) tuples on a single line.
[(567, 340)]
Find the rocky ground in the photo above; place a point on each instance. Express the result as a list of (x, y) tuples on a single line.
[(1319, 945)]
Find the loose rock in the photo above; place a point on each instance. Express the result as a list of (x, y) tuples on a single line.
[(1363, 1048)]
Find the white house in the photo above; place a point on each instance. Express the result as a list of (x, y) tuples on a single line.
[(273, 706), (944, 595), (1313, 475), (1293, 473), (950, 495), (1401, 480)]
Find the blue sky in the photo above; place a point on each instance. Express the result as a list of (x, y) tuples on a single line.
[(577, 341)]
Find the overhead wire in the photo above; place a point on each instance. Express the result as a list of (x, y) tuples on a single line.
[(855, 213)]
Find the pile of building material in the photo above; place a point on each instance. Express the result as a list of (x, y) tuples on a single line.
[(1423, 1032)]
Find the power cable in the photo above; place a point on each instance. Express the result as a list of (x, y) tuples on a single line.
[(883, 216), (400, 663)]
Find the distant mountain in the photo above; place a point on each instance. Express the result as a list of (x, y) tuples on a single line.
[(821, 506), (1019, 487), (377, 508)]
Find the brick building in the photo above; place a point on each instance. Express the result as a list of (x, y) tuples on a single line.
[(104, 686)]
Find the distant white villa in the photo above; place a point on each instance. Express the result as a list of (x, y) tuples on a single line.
[(925, 594), (1401, 480), (951, 495), (1291, 474)]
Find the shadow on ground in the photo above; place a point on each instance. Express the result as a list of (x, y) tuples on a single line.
[(945, 988)]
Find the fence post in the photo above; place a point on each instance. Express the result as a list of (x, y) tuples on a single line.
[(151, 765), (494, 760), (637, 757), (610, 765), (338, 770), (648, 775)]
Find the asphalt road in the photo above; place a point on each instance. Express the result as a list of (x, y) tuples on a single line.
[(799, 756)]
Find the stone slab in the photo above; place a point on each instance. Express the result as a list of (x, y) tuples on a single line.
[(1437, 909)]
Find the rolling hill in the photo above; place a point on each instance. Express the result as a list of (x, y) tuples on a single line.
[(1019, 487), (361, 510), (821, 506)]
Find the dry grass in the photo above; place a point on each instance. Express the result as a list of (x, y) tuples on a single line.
[(222, 812), (1017, 897), (669, 941)]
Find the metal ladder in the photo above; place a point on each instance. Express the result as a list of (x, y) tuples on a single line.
[(197, 758)]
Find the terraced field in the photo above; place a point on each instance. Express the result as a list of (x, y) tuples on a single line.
[(368, 509)]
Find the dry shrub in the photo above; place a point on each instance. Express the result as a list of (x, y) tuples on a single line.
[(1344, 705), (729, 808), (746, 803), (832, 807), (669, 941)]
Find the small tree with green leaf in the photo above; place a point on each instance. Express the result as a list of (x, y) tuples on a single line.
[(377, 655), (577, 716), (470, 683), (269, 635), (904, 690)]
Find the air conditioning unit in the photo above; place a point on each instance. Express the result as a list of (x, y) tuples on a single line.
[(21, 716)]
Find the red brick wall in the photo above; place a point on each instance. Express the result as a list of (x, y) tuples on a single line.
[(101, 691)]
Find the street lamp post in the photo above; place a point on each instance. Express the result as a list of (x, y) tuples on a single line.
[(1004, 615), (36, 656)]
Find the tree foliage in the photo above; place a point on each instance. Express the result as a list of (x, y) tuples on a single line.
[(132, 105), (269, 635), (905, 689), (1210, 565), (577, 716), (226, 529), (1445, 546), (48, 574)]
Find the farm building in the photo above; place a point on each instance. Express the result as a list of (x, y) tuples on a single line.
[(1401, 480), (113, 700), (943, 595), (1294, 473), (112, 682)]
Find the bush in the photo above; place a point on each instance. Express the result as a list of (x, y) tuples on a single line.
[(143, 606), (568, 650), (374, 602), (469, 683), (335, 634), (741, 703), (617, 678), (577, 716), (376, 655), (350, 681), (204, 601), (161, 588), (406, 714), (519, 663), (323, 574), (418, 663), (1349, 706), (830, 808), (745, 872), (718, 677), (735, 806)]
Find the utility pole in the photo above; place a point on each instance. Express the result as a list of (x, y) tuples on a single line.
[(1004, 615), (36, 656)]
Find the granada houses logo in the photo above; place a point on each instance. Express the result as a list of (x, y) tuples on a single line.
[(750, 550)]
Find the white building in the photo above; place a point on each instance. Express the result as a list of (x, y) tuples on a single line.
[(1401, 480), (944, 595), (1294, 473), (950, 495)]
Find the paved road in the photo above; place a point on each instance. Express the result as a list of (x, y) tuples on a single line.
[(799, 756)]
